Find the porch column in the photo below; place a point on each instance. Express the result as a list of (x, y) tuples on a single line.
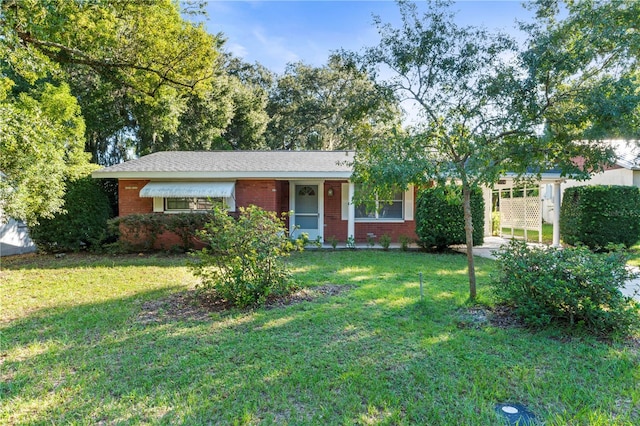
[(556, 214), (487, 194), (351, 220)]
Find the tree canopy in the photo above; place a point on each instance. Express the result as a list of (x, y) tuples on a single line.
[(330, 107), (97, 69)]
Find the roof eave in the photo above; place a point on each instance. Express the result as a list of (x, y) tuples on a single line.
[(101, 174)]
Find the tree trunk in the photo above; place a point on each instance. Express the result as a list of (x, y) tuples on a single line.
[(468, 228)]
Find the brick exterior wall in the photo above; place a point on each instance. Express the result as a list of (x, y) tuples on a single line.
[(334, 226), (337, 228), (129, 201), (270, 195), (261, 193)]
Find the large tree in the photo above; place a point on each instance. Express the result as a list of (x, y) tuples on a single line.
[(586, 54), (112, 58), (230, 115), (481, 107), (41, 147), (328, 107)]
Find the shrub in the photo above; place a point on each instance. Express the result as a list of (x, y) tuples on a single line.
[(243, 264), (573, 285), (599, 215), (385, 241), (143, 230), (371, 240), (440, 216), (84, 223), (404, 242), (495, 223)]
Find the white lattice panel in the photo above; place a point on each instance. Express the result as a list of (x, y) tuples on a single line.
[(521, 212)]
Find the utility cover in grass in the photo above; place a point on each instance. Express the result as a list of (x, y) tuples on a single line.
[(516, 414)]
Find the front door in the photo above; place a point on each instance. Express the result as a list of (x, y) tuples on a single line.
[(306, 211)]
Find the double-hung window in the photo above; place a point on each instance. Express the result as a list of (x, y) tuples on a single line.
[(191, 204), (384, 209), (397, 208)]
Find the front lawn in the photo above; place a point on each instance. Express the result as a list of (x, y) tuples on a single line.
[(101, 340), (532, 236)]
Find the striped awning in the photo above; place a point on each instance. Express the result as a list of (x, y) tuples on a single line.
[(188, 189)]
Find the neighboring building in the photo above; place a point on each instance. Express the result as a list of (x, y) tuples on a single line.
[(14, 237), (313, 185)]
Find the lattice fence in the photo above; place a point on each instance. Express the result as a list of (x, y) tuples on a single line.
[(519, 211)]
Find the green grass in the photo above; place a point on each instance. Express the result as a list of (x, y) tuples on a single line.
[(532, 236), (80, 347), (634, 255)]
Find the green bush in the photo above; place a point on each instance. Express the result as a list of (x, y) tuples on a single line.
[(143, 230), (84, 223), (243, 263), (573, 286), (600, 215), (440, 216)]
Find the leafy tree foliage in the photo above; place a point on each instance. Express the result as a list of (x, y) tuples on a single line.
[(329, 107), (587, 60), (101, 69), (481, 103), (41, 147)]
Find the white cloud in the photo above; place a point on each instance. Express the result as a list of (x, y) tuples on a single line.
[(236, 49), (275, 51)]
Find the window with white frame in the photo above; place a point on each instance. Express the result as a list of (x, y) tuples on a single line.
[(385, 209), (192, 204), (398, 208)]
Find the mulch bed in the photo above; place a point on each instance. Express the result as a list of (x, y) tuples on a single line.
[(480, 316), (186, 305)]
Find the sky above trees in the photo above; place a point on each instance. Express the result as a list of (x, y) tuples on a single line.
[(275, 33)]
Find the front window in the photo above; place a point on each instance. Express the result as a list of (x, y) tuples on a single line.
[(385, 209), (188, 204)]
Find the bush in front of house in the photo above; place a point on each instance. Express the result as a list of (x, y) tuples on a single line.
[(440, 216), (599, 215), (141, 231), (82, 225), (243, 261), (571, 286)]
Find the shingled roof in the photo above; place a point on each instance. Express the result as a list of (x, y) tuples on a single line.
[(234, 164)]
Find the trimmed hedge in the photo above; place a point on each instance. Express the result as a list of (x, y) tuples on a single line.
[(440, 216), (600, 215), (142, 230), (84, 224)]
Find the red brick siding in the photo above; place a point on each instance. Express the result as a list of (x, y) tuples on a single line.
[(334, 226), (274, 196), (261, 193), (129, 201)]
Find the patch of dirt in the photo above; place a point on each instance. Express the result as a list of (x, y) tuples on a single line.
[(479, 316), (187, 305), (307, 295)]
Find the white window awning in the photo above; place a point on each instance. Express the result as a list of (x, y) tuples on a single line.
[(188, 189)]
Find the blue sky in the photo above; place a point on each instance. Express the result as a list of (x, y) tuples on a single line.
[(275, 33)]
